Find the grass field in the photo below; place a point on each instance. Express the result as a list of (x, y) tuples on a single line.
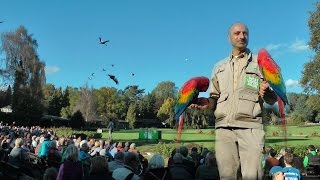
[(296, 136)]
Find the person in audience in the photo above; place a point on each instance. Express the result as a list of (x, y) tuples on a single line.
[(271, 160), (289, 171), (170, 160), (45, 146), (131, 163), (133, 148), (312, 157), (276, 173), (99, 169), (178, 171), (156, 169), (71, 169), (195, 156), (187, 160), (209, 170), (18, 155), (118, 161), (50, 174)]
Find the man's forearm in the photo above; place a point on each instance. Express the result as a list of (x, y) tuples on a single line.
[(212, 103)]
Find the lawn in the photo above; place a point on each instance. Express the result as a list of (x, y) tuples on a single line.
[(296, 136)]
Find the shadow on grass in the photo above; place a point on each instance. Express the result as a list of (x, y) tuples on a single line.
[(140, 142), (277, 140)]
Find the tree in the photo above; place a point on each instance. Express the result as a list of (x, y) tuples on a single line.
[(166, 111), (24, 68), (73, 96), (77, 120), (87, 104), (311, 76), (163, 91), (131, 115)]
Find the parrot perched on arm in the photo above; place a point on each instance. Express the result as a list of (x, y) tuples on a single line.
[(188, 94), (271, 73)]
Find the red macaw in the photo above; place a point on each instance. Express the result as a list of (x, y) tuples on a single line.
[(272, 74), (188, 94)]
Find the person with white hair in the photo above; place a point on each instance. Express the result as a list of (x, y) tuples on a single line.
[(71, 169), (18, 155), (156, 169)]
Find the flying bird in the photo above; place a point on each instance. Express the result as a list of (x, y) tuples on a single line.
[(271, 73), (188, 94), (103, 42), (1, 21), (90, 78), (113, 78), (132, 74)]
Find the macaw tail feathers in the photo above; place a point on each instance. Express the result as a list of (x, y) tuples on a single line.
[(283, 119), (180, 126)]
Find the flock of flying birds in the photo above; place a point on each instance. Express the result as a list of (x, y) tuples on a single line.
[(111, 76)]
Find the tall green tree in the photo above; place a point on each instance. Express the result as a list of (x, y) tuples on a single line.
[(24, 68), (311, 76), (162, 91), (132, 115)]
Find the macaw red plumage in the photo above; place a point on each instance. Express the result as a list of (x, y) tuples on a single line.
[(188, 94), (272, 74)]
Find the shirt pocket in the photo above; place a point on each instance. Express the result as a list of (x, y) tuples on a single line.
[(223, 79), (221, 108), (251, 80), (248, 104)]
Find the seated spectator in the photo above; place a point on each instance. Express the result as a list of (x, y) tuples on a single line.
[(271, 160), (170, 160), (187, 160), (276, 173), (54, 155), (71, 169), (50, 174), (131, 163), (45, 146), (99, 169), (195, 156), (156, 169), (85, 157), (133, 148), (118, 161), (203, 155), (119, 147), (18, 155), (178, 171), (209, 170), (289, 171), (312, 161), (126, 147), (95, 151)]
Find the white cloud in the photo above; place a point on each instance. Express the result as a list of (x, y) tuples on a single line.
[(298, 45), (274, 46), (292, 83), (295, 46), (52, 69)]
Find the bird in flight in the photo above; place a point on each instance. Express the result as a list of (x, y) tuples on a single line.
[(103, 42), (1, 21), (113, 78)]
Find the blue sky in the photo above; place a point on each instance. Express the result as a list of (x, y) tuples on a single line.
[(157, 40)]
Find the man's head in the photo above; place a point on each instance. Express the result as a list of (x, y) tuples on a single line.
[(238, 35), (311, 148), (288, 159), (276, 172)]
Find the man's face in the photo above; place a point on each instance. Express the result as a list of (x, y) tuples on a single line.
[(239, 36)]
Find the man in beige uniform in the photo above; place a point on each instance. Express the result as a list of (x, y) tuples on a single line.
[(237, 93)]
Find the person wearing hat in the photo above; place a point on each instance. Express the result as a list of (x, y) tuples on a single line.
[(276, 173)]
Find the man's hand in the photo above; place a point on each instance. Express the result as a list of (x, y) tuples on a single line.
[(264, 87), (202, 103)]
